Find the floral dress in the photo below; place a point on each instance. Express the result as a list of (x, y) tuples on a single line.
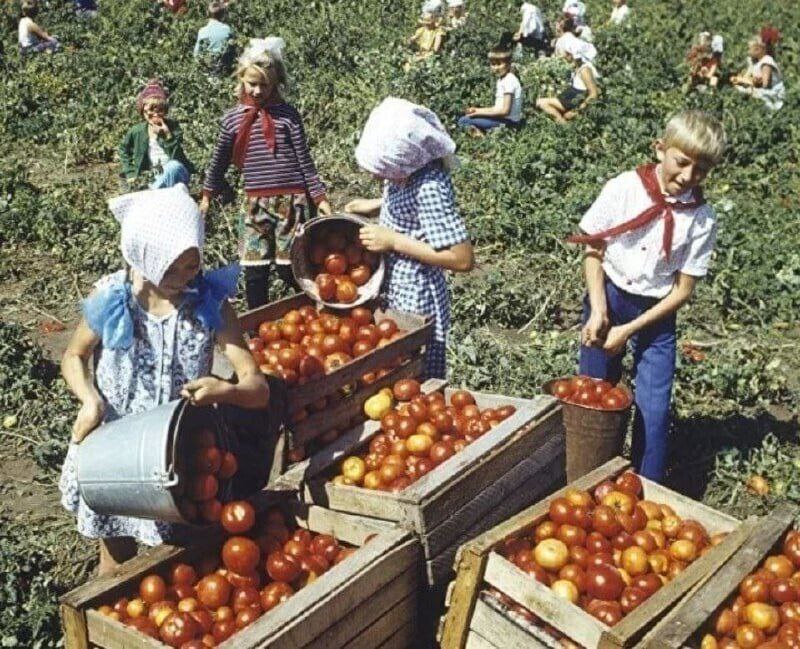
[(143, 361), (423, 208)]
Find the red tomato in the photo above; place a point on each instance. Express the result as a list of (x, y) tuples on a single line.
[(178, 629), (361, 316), (604, 582), (274, 594), (238, 517), (562, 389), (282, 567), (240, 554), (213, 591), (183, 573), (229, 466)]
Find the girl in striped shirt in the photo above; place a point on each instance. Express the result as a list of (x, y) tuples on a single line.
[(264, 137)]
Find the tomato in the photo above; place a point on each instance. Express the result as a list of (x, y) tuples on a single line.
[(581, 383), (144, 625), (291, 332), (326, 286), (354, 469), (440, 452), (269, 332), (560, 509), (210, 510), (604, 521), (406, 389), (604, 582), (791, 548), (634, 561), (551, 554), (295, 549), (346, 291), (724, 622), (335, 361), (282, 567), (238, 517), (608, 612), (152, 589), (182, 573), (178, 629), (136, 608), (649, 583), (251, 579), (240, 554), (565, 589), (628, 482), (763, 616), (247, 616), (326, 546), (610, 401), (362, 347), (779, 565), (581, 516), (203, 486), (229, 466), (361, 316), (387, 327), (596, 542), (406, 427), (563, 389), (749, 637), (188, 604), (213, 591), (360, 274), (311, 365), (244, 598), (335, 264), (222, 630), (274, 594)]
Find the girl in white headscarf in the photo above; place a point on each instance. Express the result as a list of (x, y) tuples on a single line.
[(420, 229), (532, 30), (150, 331), (583, 87)]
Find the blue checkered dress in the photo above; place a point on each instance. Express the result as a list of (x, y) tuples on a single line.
[(423, 208)]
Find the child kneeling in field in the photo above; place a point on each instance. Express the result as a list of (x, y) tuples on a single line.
[(762, 78), (704, 60), (649, 236), (420, 229), (150, 331), (507, 109), (583, 87), (32, 38)]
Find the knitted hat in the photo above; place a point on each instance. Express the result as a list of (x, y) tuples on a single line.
[(152, 90)]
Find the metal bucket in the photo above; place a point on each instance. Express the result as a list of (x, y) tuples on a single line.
[(137, 465), (593, 436)]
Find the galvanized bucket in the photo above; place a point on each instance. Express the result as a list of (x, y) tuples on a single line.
[(138, 465)]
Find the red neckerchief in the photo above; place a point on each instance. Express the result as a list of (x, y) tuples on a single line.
[(252, 111), (660, 207)]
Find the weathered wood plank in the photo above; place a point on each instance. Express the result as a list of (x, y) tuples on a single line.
[(500, 630), (715, 521), (73, 623), (393, 622), (110, 634), (365, 502), (476, 641), (348, 528), (686, 618), (402, 638)]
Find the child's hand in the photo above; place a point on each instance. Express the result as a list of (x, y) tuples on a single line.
[(205, 203), (594, 331), (377, 238), (206, 391), (616, 340), (324, 208), (89, 417), (570, 114), (471, 110)]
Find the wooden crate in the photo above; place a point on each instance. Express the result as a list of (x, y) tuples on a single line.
[(477, 565), (366, 601), (511, 466), (683, 623)]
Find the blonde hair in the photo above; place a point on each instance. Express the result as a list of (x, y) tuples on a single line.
[(697, 134), (267, 65)]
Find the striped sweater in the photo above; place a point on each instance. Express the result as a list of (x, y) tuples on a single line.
[(289, 170)]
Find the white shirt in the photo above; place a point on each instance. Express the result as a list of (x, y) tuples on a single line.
[(584, 32), (635, 261), (577, 79), (158, 157), (620, 14), (27, 37), (577, 4), (510, 85), (756, 69), (532, 20)]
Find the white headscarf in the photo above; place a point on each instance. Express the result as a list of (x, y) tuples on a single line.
[(400, 138), (273, 46), (717, 44), (532, 19), (432, 7), (578, 48), (158, 226), (455, 3)]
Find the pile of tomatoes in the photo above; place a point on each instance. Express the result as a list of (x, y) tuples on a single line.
[(208, 467), (765, 612), (199, 606), (341, 264), (608, 551), (591, 393), (420, 433)]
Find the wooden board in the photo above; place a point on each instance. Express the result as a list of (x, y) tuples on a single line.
[(501, 630), (694, 610), (476, 563), (353, 595)]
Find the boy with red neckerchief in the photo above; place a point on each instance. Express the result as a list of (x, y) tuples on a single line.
[(649, 236)]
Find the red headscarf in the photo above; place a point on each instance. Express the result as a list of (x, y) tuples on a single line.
[(660, 207), (243, 136)]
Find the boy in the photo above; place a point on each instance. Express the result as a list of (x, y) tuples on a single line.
[(649, 237), (507, 109), (214, 39)]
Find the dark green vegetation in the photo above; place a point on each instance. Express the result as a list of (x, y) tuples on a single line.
[(62, 116)]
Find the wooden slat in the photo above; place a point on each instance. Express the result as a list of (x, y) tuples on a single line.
[(500, 630), (73, 623), (394, 622), (714, 521), (365, 502), (343, 412), (675, 629), (476, 641), (347, 528), (110, 634), (391, 601), (405, 637)]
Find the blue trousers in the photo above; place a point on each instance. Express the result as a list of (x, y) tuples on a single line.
[(654, 351), (174, 172), (484, 123)]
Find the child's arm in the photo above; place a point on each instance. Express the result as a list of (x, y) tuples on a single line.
[(459, 258), (596, 326), (678, 296), (250, 390), (75, 370), (41, 33), (437, 42), (503, 110), (364, 206), (765, 79), (127, 168), (592, 93)]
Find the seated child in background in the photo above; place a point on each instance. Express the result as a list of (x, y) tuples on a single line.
[(704, 60), (174, 6), (620, 14), (583, 87), (576, 10), (214, 40), (532, 30), (427, 39), (566, 29), (154, 146), (762, 78), (32, 38), (581, 28), (456, 14), (507, 109)]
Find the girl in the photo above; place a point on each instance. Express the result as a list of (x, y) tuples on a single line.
[(428, 38), (583, 87), (456, 14), (406, 147), (762, 78), (151, 332), (264, 137), (507, 109), (32, 38), (620, 13), (704, 60), (532, 30), (153, 149)]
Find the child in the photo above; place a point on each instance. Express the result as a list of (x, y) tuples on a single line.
[(583, 87), (32, 38), (566, 29), (173, 6), (763, 78), (152, 151), (150, 333), (649, 237), (264, 137), (575, 9), (704, 60), (580, 28), (406, 146), (85, 8), (456, 14), (620, 13), (532, 30), (507, 109), (215, 38), (427, 39)]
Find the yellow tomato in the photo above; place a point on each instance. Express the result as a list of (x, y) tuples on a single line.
[(353, 468)]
